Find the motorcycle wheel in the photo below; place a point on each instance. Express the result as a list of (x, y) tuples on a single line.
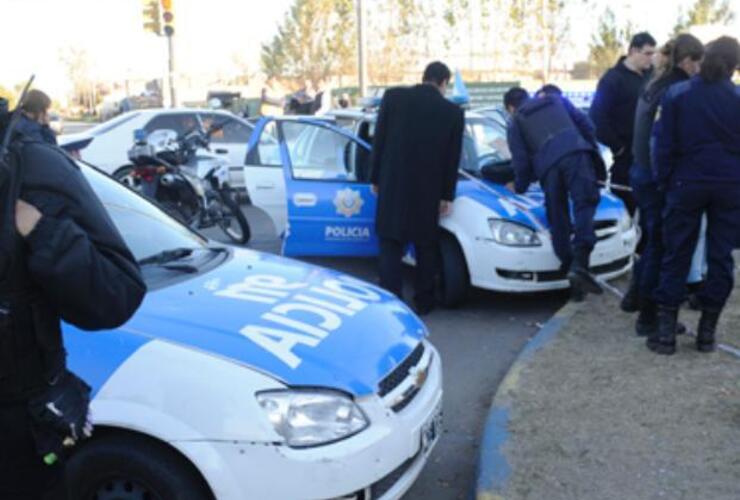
[(125, 175), (233, 222)]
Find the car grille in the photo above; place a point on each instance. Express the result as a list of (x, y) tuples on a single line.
[(605, 229), (399, 374), (545, 276), (380, 488)]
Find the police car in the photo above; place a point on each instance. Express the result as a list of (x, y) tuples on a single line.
[(250, 376), (312, 178)]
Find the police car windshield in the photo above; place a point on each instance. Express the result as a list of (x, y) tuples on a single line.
[(145, 228), (484, 142)]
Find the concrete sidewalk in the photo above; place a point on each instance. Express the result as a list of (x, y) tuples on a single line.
[(587, 412)]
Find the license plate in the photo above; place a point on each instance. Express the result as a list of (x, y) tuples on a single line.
[(431, 429)]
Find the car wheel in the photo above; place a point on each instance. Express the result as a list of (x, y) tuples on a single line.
[(454, 279), (125, 176), (125, 467)]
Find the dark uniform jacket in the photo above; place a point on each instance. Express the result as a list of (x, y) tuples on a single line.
[(613, 109), (75, 246), (697, 137), (543, 131), (75, 266), (647, 107), (34, 130), (416, 153)]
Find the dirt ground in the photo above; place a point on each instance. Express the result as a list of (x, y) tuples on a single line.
[(595, 415)]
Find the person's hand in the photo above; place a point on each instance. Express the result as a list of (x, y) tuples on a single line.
[(26, 217), (445, 208), (374, 189), (510, 186)]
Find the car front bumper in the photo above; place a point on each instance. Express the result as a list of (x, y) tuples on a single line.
[(382, 461), (531, 269)]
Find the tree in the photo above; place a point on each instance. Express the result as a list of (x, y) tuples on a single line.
[(705, 12), (9, 95), (316, 41), (608, 43), (399, 29)]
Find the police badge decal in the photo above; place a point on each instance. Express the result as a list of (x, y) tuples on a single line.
[(348, 202)]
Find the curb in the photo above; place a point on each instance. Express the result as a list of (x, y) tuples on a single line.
[(493, 468)]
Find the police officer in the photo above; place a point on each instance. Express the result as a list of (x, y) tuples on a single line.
[(554, 143), (34, 118), (61, 257), (696, 159), (613, 108), (683, 61)]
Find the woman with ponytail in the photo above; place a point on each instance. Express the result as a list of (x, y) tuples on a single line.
[(696, 161)]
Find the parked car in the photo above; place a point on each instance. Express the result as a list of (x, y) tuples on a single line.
[(311, 178), (245, 375), (112, 139)]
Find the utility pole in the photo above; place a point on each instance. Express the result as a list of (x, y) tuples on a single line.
[(171, 71), (361, 50)]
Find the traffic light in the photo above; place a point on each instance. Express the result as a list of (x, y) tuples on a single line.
[(152, 19), (168, 17)]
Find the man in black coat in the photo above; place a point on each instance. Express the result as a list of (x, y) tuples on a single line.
[(416, 152), (613, 109), (61, 258)]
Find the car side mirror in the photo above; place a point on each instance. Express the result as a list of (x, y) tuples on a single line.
[(499, 172)]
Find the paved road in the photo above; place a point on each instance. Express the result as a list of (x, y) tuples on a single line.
[(477, 342)]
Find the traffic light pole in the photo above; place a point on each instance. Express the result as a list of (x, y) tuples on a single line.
[(171, 71)]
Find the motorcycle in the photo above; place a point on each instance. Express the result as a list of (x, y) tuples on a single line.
[(190, 186)]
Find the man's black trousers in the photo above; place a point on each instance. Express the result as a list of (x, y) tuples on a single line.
[(391, 269), (23, 473), (572, 180)]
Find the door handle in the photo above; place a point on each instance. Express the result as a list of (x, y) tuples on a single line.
[(266, 185), (222, 151)]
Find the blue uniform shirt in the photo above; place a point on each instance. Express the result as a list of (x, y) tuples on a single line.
[(697, 135)]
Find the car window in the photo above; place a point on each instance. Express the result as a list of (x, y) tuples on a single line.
[(233, 132), (318, 152), (144, 227), (484, 142), (112, 123), (266, 152), (179, 122)]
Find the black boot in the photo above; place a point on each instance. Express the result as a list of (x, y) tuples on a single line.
[(705, 341), (647, 321), (631, 301), (663, 341), (580, 277)]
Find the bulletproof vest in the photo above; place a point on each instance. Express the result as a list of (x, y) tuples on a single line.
[(31, 349), (542, 119)]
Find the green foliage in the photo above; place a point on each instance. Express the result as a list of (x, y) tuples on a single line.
[(315, 41), (705, 12), (608, 43)]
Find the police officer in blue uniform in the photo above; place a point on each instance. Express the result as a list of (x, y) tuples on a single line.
[(554, 143), (683, 62), (696, 159)]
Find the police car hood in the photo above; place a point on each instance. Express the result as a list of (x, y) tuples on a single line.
[(302, 324), (529, 208)]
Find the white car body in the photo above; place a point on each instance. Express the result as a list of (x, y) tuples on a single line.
[(112, 139), (185, 372)]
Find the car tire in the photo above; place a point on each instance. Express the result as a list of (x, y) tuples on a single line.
[(128, 467), (454, 279), (123, 175)]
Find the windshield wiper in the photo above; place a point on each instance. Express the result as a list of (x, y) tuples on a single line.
[(166, 256)]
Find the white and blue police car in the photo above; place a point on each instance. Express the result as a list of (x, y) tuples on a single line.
[(311, 177), (250, 376)]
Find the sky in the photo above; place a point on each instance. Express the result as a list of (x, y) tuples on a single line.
[(209, 34)]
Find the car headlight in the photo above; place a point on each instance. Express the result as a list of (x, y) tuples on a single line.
[(312, 417), (513, 234), (625, 223)]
